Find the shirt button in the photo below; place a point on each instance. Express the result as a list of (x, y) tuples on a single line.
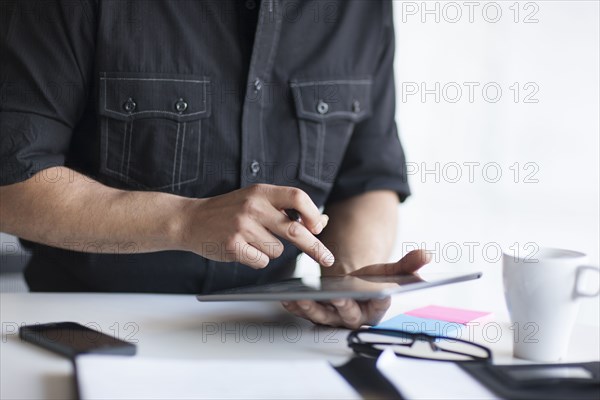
[(250, 4), (322, 107), (129, 105), (257, 85), (181, 105), (356, 106), (254, 167)]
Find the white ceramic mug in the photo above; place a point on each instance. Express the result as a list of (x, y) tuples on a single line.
[(542, 292)]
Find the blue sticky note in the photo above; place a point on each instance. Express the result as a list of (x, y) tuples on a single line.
[(412, 324)]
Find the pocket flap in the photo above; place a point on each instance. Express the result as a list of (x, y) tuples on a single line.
[(348, 99), (133, 96)]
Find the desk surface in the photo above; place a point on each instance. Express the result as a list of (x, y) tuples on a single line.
[(177, 326)]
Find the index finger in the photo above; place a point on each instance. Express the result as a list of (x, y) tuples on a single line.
[(291, 198), (295, 232)]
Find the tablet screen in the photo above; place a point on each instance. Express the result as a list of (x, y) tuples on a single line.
[(331, 287)]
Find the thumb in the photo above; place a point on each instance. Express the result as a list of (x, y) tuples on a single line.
[(407, 265)]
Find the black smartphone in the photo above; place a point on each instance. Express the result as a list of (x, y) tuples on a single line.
[(71, 339)]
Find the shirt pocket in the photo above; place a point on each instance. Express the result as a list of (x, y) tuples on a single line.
[(327, 111), (151, 129)]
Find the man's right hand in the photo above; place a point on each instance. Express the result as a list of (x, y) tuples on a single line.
[(77, 213), (242, 226)]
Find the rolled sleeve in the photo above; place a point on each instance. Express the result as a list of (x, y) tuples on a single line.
[(374, 159), (47, 60)]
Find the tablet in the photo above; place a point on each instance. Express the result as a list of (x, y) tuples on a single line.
[(334, 287)]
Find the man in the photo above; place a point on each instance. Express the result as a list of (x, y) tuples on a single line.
[(154, 146)]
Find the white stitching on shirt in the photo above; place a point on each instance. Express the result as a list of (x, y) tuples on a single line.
[(332, 82), (129, 148), (156, 112), (321, 132), (175, 159), (124, 146), (205, 110), (199, 148), (269, 68), (154, 79), (354, 116), (181, 157), (253, 59), (127, 178), (316, 178)]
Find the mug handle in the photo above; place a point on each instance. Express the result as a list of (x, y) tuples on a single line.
[(578, 274)]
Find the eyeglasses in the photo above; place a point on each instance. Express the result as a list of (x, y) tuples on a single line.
[(372, 342)]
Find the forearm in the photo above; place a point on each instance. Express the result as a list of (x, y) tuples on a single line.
[(361, 231), (78, 213)]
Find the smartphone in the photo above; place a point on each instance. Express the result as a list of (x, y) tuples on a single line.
[(71, 339)]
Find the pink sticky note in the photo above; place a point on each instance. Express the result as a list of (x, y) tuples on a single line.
[(448, 314)]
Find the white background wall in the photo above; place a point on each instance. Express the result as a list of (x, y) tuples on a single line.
[(553, 201)]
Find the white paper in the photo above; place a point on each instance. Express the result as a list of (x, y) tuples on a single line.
[(424, 379), (118, 377)]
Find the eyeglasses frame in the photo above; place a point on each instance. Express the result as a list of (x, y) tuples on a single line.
[(368, 348)]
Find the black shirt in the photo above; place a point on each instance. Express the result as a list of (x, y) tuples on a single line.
[(182, 97)]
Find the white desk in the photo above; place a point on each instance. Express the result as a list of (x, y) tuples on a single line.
[(176, 326)]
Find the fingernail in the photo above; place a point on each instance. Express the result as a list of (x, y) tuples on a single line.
[(325, 219), (339, 302), (285, 303), (327, 259), (318, 228), (304, 306)]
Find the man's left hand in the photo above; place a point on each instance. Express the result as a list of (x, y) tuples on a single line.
[(353, 314)]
